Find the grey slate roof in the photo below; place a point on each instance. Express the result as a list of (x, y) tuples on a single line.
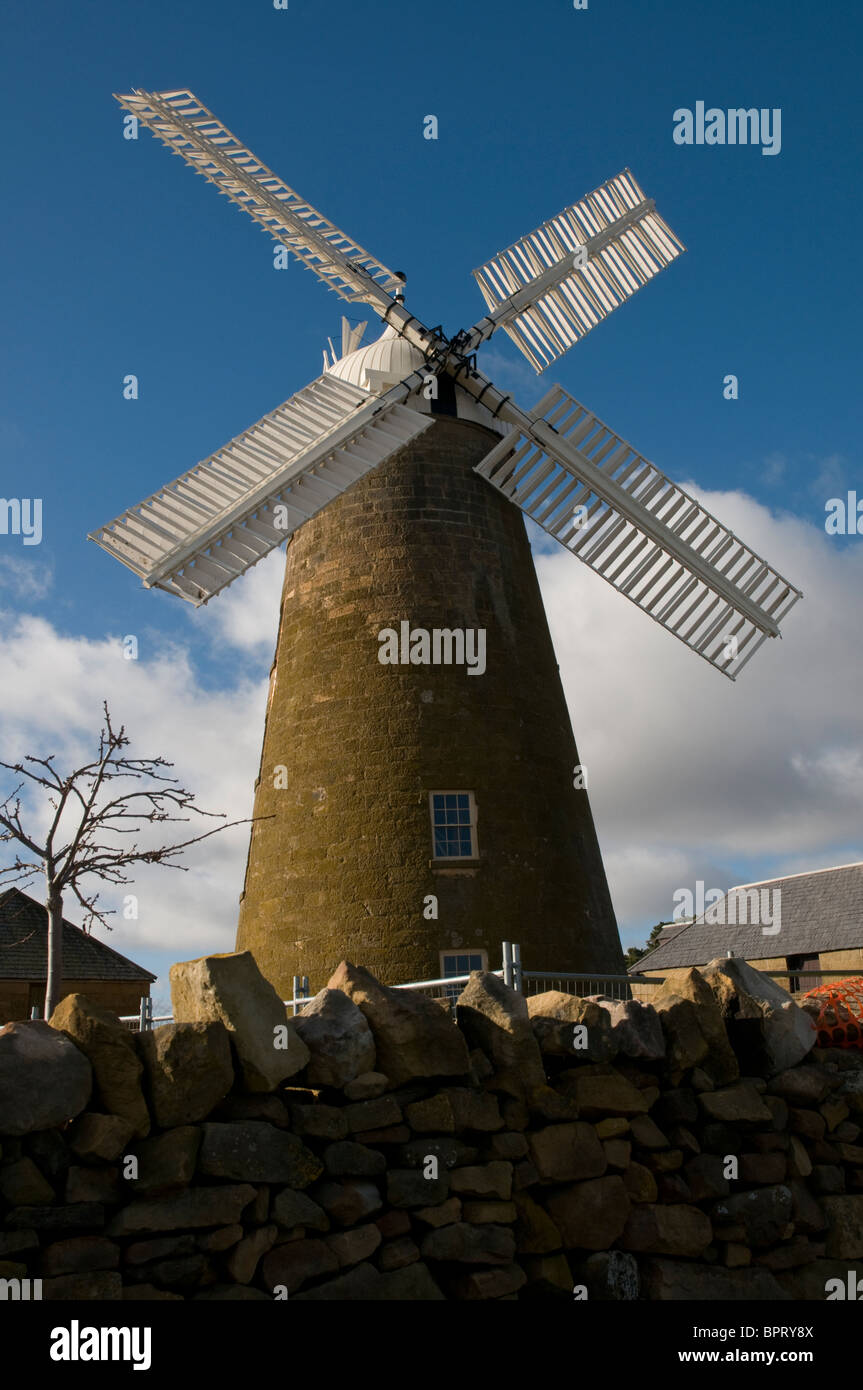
[(819, 911), (24, 946)]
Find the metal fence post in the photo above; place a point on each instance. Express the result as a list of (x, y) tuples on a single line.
[(507, 963), (142, 1014), (517, 979)]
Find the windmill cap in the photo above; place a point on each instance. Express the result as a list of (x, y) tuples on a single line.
[(390, 357)]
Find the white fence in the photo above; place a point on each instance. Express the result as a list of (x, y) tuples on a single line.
[(447, 988)]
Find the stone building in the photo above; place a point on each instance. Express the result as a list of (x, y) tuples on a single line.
[(819, 916), (418, 803), (89, 966)]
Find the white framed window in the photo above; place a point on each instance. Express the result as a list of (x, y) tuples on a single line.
[(462, 962), (453, 822)]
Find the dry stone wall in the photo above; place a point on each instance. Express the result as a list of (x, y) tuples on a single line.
[(375, 1149)]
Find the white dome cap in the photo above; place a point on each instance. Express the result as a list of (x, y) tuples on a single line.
[(379, 365), (387, 361)]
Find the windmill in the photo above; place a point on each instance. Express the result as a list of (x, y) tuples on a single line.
[(410, 816)]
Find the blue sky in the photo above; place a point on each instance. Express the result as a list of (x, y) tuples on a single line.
[(116, 260)]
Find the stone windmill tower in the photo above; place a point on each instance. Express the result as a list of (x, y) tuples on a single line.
[(419, 791)]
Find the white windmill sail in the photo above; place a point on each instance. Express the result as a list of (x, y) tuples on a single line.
[(565, 469), (202, 531), (642, 533), (543, 302), (185, 125)]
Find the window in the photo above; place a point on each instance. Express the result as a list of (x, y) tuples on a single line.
[(453, 816), (460, 963), (800, 984)]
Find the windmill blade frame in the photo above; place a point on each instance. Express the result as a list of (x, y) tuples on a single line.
[(544, 300), (189, 129), (202, 531), (645, 535)]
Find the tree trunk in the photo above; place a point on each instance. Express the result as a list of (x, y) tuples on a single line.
[(54, 984)]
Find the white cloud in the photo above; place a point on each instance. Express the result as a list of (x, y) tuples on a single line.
[(25, 579), (246, 615), (53, 705)]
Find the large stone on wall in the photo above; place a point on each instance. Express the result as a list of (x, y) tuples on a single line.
[(667, 1230), (22, 1185), (495, 1019), (292, 1209), (554, 1017), (110, 1049), (243, 1259), (349, 1201), (255, 1151), (804, 1086), (98, 1287), (549, 1276), (810, 1283), (166, 1162), (338, 1038), (474, 1110), (195, 1209), (601, 1090), (188, 1070), (44, 1078), (590, 1215), (366, 1284), (230, 989), (464, 1244), (292, 1265), (851, 1091), (673, 1280), (765, 1214), (504, 1281), (413, 1035), (535, 1232), (100, 1138), (609, 1276), (694, 1026), (766, 1028), (635, 1029), (733, 1105), (80, 1255), (485, 1180), (351, 1247), (844, 1227), (567, 1153)]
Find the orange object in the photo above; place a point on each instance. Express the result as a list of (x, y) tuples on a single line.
[(837, 1012)]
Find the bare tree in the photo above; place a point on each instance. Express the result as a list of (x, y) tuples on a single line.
[(89, 818)]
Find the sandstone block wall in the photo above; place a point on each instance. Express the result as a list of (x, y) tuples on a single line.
[(523, 1154)]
